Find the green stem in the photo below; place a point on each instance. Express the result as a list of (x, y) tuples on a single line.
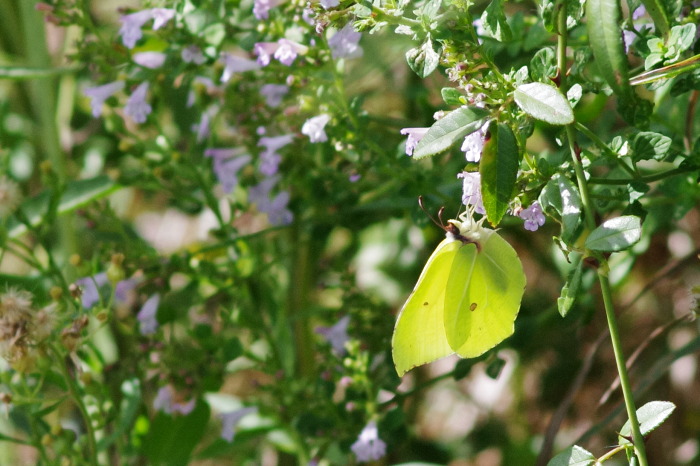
[(604, 147), (645, 179), (602, 270), (75, 394)]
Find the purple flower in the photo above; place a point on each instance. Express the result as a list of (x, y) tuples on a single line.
[(471, 191), (354, 178), (161, 16), (639, 12), (337, 335), (414, 137), (264, 52), (230, 420), (369, 447), (91, 288), (148, 324), (124, 288), (627, 39), (235, 64), (276, 210), (273, 94), (269, 158), (260, 193), (193, 54), (227, 164), (99, 94), (165, 401), (137, 107), (287, 51), (150, 60), (533, 216), (131, 27), (327, 4), (473, 144), (344, 43), (314, 128), (261, 8), (307, 16)]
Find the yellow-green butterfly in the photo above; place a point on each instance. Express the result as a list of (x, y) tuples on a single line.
[(466, 299)]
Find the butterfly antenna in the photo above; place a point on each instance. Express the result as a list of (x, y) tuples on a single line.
[(440, 224)]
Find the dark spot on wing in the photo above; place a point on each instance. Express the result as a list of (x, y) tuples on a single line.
[(472, 307), (425, 303)]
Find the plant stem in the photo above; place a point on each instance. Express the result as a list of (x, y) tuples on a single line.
[(602, 270)]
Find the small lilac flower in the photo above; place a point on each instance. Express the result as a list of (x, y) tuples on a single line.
[(99, 94), (193, 54), (414, 137), (269, 163), (639, 12), (261, 8), (230, 420), (287, 51), (150, 60), (165, 401), (235, 64), (161, 16), (471, 191), (148, 324), (124, 288), (328, 4), (307, 16), (227, 164), (130, 30), (369, 447), (91, 288), (264, 52), (337, 335), (137, 107), (533, 216), (260, 193), (276, 210), (627, 39), (354, 178), (473, 144), (314, 128), (275, 143), (273, 94), (345, 43)]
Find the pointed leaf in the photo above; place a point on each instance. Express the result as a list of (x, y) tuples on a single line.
[(499, 171), (449, 129), (561, 196), (605, 38), (493, 20), (544, 102), (615, 234), (573, 283), (650, 416), (573, 456), (648, 145), (424, 59)]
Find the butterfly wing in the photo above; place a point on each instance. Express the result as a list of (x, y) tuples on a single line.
[(419, 334), (483, 295)]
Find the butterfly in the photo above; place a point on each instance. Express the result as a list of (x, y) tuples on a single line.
[(466, 299)]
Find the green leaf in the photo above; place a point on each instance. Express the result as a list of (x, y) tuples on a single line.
[(571, 288), (449, 129), (650, 416), (561, 196), (77, 194), (451, 96), (615, 234), (543, 65), (656, 10), (545, 103), (171, 439), (494, 22), (648, 145), (573, 456), (499, 171), (605, 38), (424, 59), (129, 408)]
